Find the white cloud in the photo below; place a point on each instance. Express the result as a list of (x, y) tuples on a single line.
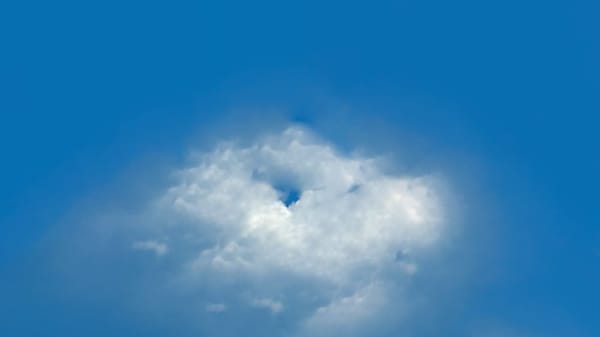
[(290, 204), (156, 247)]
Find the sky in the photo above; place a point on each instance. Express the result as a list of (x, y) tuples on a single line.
[(299, 169)]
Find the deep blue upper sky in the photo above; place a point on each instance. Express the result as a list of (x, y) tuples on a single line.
[(87, 88)]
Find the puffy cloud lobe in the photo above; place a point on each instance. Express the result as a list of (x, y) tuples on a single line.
[(292, 205)]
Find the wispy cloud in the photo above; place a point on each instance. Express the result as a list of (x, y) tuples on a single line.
[(156, 247), (215, 307), (274, 306)]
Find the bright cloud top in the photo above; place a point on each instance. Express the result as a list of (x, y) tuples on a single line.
[(290, 204)]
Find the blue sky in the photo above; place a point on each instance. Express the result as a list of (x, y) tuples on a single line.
[(101, 103)]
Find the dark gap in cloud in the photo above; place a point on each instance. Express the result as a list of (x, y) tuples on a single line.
[(292, 197), (285, 185), (400, 255), (354, 188), (288, 195)]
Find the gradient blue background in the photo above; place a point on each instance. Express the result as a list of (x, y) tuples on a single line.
[(85, 88)]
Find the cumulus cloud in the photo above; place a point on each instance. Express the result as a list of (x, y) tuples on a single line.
[(292, 218)]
